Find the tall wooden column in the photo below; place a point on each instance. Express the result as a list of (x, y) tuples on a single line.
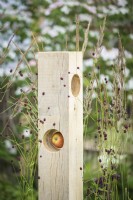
[(60, 113)]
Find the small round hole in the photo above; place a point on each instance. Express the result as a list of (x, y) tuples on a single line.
[(75, 85), (53, 140)]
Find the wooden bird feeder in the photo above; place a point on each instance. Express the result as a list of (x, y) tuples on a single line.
[(60, 113)]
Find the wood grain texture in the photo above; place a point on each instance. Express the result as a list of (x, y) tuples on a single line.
[(60, 172)]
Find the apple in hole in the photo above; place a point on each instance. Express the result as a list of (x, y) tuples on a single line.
[(57, 140)]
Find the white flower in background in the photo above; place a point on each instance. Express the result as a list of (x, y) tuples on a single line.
[(10, 147), (26, 133)]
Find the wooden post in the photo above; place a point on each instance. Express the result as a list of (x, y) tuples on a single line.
[(60, 113)]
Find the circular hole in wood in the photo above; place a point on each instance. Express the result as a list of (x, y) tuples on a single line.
[(75, 85), (53, 140)]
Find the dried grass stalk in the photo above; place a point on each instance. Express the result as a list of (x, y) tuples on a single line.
[(86, 38)]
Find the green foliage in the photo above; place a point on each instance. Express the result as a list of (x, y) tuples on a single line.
[(50, 25), (9, 191)]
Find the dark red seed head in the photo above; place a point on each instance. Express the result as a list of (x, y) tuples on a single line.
[(22, 136), (126, 126)]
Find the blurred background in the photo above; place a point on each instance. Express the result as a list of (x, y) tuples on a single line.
[(53, 24)]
